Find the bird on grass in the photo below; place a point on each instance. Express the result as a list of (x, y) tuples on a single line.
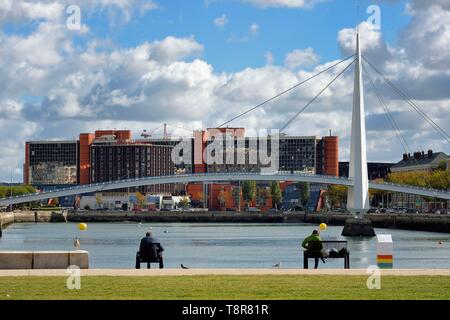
[(183, 266)]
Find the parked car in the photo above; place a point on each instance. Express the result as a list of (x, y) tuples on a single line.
[(414, 211), (253, 209), (401, 210)]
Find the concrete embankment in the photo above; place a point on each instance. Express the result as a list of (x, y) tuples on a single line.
[(420, 222), (7, 218), (163, 216), (423, 222)]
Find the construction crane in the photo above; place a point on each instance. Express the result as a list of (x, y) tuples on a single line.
[(148, 134)]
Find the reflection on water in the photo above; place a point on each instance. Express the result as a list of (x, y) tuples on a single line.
[(215, 245)]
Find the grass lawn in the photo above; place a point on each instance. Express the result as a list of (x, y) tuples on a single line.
[(227, 287)]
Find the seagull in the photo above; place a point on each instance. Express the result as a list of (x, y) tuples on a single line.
[(184, 267), (76, 243), (277, 265)]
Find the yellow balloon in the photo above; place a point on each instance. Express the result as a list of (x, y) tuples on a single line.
[(323, 226), (82, 226)]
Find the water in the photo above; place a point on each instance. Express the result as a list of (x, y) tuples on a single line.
[(215, 245)]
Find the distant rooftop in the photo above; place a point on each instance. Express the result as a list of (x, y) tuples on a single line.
[(421, 159)]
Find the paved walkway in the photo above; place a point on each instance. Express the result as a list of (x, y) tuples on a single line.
[(196, 272)]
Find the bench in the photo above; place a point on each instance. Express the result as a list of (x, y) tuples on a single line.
[(316, 252), (149, 255)]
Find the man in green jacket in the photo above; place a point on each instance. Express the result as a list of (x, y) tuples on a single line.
[(313, 244)]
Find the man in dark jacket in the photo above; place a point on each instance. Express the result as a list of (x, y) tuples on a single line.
[(147, 242)]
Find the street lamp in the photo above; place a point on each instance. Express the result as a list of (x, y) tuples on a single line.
[(10, 194)]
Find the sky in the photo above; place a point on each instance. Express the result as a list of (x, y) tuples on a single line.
[(135, 64)]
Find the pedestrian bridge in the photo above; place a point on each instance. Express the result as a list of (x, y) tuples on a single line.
[(218, 177)]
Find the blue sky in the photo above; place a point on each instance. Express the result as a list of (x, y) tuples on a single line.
[(280, 29)]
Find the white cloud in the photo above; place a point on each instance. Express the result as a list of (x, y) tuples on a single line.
[(118, 11), (221, 21), (172, 49), (254, 29), (252, 33), (301, 58), (10, 109), (268, 56), (19, 10)]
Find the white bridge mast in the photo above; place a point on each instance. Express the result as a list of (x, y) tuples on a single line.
[(358, 195)]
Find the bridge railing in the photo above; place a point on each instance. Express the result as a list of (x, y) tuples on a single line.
[(409, 186), (161, 177), (100, 185)]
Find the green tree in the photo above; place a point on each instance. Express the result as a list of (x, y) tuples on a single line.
[(248, 191), (6, 191), (437, 179), (184, 202), (222, 198), (201, 198), (442, 165), (304, 193), (337, 195), (263, 194), (141, 199), (275, 192)]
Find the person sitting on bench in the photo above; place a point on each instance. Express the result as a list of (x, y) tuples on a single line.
[(150, 250), (313, 246)]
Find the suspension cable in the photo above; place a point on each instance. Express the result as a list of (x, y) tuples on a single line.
[(388, 115), (391, 118), (419, 111), (285, 91), (315, 97)]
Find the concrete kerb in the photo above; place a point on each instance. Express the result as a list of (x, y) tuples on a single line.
[(223, 272)]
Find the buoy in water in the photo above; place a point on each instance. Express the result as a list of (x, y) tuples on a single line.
[(82, 226)]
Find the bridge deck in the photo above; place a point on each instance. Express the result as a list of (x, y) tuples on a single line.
[(216, 177)]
